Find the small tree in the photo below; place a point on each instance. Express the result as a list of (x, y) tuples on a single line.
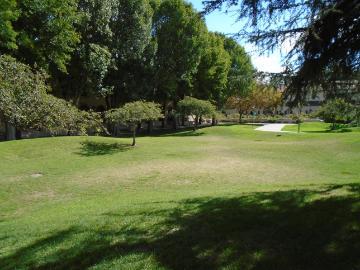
[(298, 119), (134, 113), (216, 117), (196, 107), (336, 111), (265, 97), (241, 104)]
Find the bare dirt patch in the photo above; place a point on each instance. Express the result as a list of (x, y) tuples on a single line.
[(36, 175)]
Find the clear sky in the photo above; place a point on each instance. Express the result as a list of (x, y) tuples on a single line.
[(226, 23)]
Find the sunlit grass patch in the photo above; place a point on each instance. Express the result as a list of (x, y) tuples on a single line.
[(230, 198)]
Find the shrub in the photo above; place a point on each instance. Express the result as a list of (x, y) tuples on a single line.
[(337, 111), (26, 104)]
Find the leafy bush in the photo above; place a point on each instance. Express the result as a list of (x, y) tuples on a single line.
[(26, 104), (337, 111)]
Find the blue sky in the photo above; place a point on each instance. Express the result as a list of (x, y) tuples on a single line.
[(226, 23)]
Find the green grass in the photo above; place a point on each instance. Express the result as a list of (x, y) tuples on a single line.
[(318, 127), (225, 197)]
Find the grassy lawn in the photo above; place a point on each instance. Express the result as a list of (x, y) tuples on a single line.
[(225, 197), (317, 127)]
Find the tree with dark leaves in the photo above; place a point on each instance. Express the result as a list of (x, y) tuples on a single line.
[(324, 35)]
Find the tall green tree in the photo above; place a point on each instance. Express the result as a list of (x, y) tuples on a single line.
[(212, 75), (131, 48), (115, 51), (45, 32), (8, 14), (180, 34), (91, 60), (241, 73)]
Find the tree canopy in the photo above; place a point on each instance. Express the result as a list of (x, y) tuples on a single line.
[(133, 113), (8, 14), (25, 103), (260, 97), (190, 106), (213, 71), (323, 35), (40, 32), (180, 35), (241, 73)]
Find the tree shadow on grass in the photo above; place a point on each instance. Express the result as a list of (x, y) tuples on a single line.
[(342, 130), (268, 230), (189, 133), (91, 148), (181, 132)]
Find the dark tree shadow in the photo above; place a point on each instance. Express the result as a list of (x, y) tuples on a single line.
[(188, 133), (268, 230), (341, 130), (91, 148), (180, 132)]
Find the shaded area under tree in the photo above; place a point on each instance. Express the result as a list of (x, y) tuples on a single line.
[(263, 230)]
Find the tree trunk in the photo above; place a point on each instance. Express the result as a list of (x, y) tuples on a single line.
[(196, 122), (77, 100), (174, 123), (18, 134), (240, 117), (107, 102), (134, 136), (150, 126), (10, 132), (183, 120), (163, 122), (213, 121)]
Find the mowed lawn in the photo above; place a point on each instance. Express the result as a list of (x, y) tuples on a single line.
[(224, 197)]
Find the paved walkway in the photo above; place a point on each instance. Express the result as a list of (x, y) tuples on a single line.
[(272, 127)]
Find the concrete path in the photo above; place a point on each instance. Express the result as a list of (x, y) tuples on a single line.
[(272, 127)]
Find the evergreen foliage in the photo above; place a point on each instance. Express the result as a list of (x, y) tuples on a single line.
[(324, 35)]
